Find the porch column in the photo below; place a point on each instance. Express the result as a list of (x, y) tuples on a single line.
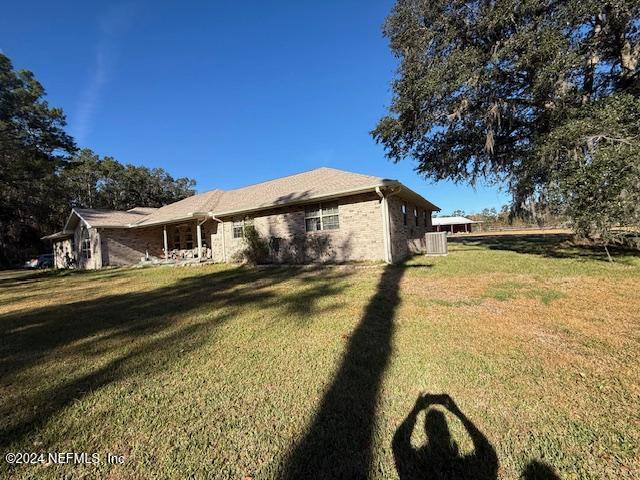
[(166, 243), (199, 234), (465, 228)]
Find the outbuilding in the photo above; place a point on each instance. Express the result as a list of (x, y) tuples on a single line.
[(454, 224)]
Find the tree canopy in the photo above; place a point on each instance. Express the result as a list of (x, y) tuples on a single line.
[(43, 175), (94, 182), (33, 147), (542, 95)]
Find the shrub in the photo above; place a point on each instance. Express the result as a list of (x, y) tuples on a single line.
[(256, 249)]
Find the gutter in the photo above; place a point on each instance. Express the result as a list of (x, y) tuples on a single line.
[(224, 248)]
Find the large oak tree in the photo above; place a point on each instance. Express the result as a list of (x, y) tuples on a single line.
[(542, 95)]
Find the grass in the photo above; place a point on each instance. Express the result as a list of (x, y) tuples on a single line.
[(526, 346)]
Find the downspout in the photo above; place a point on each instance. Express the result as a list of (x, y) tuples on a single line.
[(386, 231), (224, 248)]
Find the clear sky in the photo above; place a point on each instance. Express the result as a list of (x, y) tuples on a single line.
[(229, 93)]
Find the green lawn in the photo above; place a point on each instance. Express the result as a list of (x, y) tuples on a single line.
[(525, 351)]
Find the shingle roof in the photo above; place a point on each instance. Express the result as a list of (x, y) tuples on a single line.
[(307, 186), (143, 210), (110, 218), (200, 203), (294, 188)]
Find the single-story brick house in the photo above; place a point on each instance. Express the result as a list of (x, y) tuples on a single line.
[(323, 215)]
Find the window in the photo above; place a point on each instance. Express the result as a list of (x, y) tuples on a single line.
[(238, 231), (240, 226), (424, 215), (176, 238), (404, 213), (321, 217), (188, 238), (203, 236), (415, 216), (85, 243)]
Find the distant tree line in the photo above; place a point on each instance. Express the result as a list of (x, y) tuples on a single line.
[(43, 173), (531, 215)]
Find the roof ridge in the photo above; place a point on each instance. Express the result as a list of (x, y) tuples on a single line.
[(281, 178)]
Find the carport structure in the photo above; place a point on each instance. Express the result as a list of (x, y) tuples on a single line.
[(455, 224)]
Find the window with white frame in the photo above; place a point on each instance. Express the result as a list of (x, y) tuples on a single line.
[(85, 243), (203, 236), (404, 213), (240, 226), (321, 217)]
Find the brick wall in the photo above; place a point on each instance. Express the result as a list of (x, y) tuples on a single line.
[(406, 239), (358, 238), (127, 246)]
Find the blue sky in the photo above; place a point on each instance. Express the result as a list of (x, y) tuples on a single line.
[(228, 93)]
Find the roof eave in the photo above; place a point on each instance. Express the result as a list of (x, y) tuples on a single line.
[(189, 216), (74, 212), (415, 195), (57, 235)]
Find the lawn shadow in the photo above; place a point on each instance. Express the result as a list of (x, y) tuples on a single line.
[(439, 457), (538, 470), (137, 333), (551, 245), (339, 441)]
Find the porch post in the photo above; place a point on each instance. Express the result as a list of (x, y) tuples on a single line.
[(166, 243), (199, 234)]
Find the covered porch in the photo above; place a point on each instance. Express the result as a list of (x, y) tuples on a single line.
[(186, 240)]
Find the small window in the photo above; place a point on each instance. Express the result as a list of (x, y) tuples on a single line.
[(404, 213), (415, 216), (321, 217), (237, 229), (424, 215), (85, 244), (240, 226)]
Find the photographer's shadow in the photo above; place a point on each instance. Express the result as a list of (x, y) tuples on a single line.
[(439, 457)]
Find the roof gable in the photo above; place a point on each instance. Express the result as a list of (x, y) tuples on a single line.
[(300, 187), (201, 203)]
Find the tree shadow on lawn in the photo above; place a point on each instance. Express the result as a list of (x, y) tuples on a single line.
[(553, 245), (139, 333), (338, 443)]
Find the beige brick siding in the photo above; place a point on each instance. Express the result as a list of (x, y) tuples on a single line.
[(406, 239), (358, 238), (62, 248)]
